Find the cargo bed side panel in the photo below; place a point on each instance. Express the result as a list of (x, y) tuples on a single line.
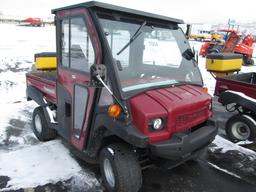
[(46, 85), (245, 83)]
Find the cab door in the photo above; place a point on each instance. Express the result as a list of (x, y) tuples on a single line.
[(77, 51)]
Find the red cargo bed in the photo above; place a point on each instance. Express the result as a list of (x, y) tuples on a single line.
[(244, 83), (45, 82)]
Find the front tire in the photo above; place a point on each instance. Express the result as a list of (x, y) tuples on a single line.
[(241, 128), (40, 126), (120, 169)]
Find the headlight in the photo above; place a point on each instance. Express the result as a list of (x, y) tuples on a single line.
[(156, 124)]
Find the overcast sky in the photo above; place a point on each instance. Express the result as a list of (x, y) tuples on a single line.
[(192, 11)]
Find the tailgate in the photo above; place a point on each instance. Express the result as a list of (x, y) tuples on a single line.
[(245, 83), (45, 82)]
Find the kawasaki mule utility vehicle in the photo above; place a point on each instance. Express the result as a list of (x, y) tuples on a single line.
[(126, 93)]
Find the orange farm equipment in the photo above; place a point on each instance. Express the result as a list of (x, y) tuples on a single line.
[(234, 44)]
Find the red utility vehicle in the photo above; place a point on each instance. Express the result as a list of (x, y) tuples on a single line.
[(38, 22), (233, 44), (238, 93), (123, 96)]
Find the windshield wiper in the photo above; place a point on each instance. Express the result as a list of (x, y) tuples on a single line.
[(136, 34), (187, 83)]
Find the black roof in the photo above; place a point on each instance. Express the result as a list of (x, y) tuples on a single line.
[(96, 4)]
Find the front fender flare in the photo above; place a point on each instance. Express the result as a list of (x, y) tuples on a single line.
[(128, 133)]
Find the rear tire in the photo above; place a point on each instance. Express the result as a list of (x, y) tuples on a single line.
[(40, 126), (120, 169), (241, 128)]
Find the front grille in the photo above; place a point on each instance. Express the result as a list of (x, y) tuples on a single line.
[(187, 118)]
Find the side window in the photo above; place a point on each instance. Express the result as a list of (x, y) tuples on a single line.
[(82, 54), (65, 42), (81, 96)]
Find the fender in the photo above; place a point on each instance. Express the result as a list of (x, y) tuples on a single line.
[(238, 98), (34, 94), (250, 118), (128, 133)]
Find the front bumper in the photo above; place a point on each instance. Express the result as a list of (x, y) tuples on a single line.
[(183, 145)]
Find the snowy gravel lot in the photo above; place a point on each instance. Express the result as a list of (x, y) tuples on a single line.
[(23, 159), (26, 163)]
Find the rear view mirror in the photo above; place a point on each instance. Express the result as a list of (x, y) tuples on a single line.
[(188, 54), (98, 79), (98, 74)]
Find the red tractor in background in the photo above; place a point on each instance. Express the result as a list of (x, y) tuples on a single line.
[(234, 43)]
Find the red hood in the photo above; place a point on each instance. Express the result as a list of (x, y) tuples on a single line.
[(181, 107)]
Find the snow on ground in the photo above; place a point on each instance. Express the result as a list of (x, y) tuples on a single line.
[(23, 41), (225, 145), (13, 103), (41, 164), (17, 48), (232, 159), (209, 81), (27, 162), (224, 170)]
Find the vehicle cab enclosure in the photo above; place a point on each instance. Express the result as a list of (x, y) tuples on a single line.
[(126, 76)]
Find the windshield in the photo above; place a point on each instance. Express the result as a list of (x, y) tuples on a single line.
[(149, 55)]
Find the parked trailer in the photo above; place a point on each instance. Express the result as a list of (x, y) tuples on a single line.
[(123, 96), (238, 93)]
